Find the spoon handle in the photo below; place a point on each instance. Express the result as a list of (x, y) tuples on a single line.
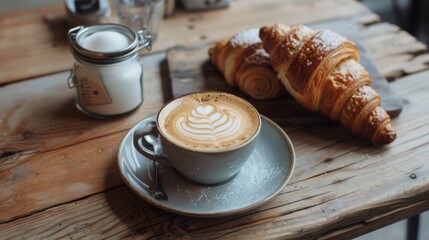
[(157, 191)]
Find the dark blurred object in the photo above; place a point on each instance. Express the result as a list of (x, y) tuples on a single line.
[(413, 227), (86, 6), (414, 16), (86, 12), (170, 5), (408, 14), (204, 4)]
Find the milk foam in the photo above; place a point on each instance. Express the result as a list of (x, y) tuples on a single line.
[(209, 121)]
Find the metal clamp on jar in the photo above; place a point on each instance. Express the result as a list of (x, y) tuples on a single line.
[(106, 74)]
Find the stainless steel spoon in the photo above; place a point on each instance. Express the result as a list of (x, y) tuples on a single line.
[(157, 191), (155, 188)]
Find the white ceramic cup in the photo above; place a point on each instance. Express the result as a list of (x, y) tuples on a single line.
[(204, 166)]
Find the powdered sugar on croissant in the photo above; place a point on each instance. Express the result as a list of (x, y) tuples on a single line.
[(320, 69), (245, 64)]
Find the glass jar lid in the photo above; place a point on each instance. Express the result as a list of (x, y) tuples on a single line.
[(107, 43)]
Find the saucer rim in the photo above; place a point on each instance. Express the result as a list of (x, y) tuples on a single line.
[(159, 204)]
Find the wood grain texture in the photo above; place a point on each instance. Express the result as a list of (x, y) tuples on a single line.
[(33, 43), (379, 221), (341, 187), (395, 52), (58, 178), (28, 36), (50, 152)]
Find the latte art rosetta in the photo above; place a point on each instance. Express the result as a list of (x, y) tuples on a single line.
[(207, 123)]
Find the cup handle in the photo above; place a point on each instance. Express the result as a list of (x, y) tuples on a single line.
[(150, 131)]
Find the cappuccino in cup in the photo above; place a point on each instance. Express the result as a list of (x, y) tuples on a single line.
[(205, 136), (209, 121)]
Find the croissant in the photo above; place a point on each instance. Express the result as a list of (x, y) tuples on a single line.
[(320, 69), (245, 64)]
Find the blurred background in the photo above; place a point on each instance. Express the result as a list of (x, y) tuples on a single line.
[(410, 15)]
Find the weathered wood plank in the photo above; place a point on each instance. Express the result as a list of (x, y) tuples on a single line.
[(372, 224), (83, 219), (341, 181), (42, 34), (50, 152), (27, 134), (29, 131), (395, 51), (33, 43), (39, 36)]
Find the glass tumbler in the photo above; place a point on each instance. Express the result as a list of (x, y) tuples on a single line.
[(139, 14)]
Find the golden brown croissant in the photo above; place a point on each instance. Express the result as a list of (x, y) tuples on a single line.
[(244, 63), (320, 69)]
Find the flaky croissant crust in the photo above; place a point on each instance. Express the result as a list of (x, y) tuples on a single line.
[(320, 69), (245, 64)]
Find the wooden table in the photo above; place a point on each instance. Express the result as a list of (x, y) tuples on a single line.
[(58, 172)]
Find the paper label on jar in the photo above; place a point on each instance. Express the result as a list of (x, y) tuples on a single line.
[(91, 89)]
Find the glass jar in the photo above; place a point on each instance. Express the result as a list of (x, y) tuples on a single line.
[(107, 74), (203, 5), (137, 14)]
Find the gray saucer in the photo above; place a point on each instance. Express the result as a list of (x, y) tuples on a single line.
[(261, 178)]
